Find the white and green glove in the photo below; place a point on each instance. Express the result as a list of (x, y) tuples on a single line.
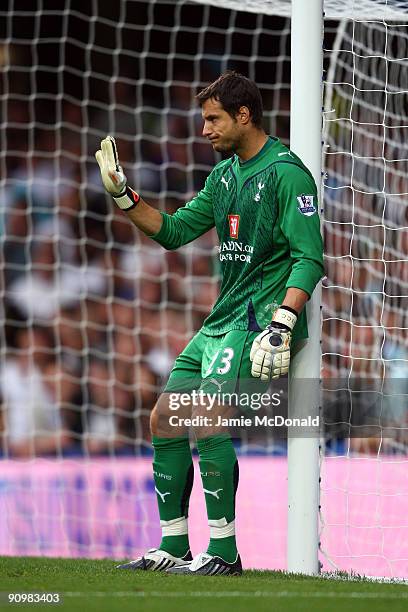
[(270, 352), (113, 177)]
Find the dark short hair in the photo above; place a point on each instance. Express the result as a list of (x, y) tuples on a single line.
[(234, 90)]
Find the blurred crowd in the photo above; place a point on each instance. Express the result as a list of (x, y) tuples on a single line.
[(365, 292), (94, 313)]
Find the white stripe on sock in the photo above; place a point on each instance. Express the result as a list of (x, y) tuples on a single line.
[(175, 527), (221, 529)]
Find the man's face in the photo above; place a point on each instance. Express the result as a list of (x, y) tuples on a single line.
[(223, 132)]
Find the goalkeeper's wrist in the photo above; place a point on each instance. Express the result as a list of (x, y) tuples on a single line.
[(127, 200), (285, 316)]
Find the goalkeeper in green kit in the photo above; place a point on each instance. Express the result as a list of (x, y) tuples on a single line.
[(263, 203)]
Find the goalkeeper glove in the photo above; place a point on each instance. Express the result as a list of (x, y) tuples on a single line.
[(270, 352), (113, 177)]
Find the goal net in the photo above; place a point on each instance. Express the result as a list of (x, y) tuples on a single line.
[(93, 314), (365, 294)]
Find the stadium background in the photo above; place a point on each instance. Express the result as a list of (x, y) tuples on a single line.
[(115, 309)]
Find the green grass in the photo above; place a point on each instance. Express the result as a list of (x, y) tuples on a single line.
[(88, 585)]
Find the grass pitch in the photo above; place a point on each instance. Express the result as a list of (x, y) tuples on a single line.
[(88, 585)]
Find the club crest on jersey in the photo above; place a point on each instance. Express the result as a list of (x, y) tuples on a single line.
[(257, 196), (233, 221), (306, 205)]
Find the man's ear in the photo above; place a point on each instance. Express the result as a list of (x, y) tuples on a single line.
[(243, 115)]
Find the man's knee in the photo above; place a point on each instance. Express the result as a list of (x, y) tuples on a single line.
[(161, 423), (212, 421), (159, 414), (154, 421)]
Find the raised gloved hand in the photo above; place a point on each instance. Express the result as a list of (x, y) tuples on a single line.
[(270, 352), (113, 177)]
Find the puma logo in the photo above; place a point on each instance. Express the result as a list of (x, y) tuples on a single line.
[(226, 183), (162, 495), (218, 384), (213, 493)]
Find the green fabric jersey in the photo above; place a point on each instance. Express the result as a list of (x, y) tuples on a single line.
[(265, 211)]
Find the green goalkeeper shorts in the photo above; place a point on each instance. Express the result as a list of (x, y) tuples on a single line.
[(214, 364)]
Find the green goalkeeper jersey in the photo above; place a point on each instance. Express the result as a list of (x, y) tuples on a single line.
[(265, 211)]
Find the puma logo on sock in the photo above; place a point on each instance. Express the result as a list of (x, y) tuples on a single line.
[(213, 493), (162, 495)]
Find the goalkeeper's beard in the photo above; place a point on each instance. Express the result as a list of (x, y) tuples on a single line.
[(226, 144)]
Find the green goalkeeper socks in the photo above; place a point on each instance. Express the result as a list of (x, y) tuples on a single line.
[(173, 477), (219, 474)]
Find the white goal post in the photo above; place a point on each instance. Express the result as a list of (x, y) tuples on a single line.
[(306, 141)]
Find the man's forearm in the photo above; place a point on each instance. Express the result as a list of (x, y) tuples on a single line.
[(295, 298), (145, 217)]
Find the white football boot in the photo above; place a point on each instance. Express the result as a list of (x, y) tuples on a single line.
[(208, 565), (156, 560)]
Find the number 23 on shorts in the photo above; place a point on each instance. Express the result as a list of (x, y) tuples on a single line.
[(221, 362)]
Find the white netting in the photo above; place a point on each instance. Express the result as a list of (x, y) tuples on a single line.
[(105, 305), (366, 218), (333, 9), (365, 294), (93, 314)]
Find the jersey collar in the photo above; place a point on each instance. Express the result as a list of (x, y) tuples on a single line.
[(268, 144)]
